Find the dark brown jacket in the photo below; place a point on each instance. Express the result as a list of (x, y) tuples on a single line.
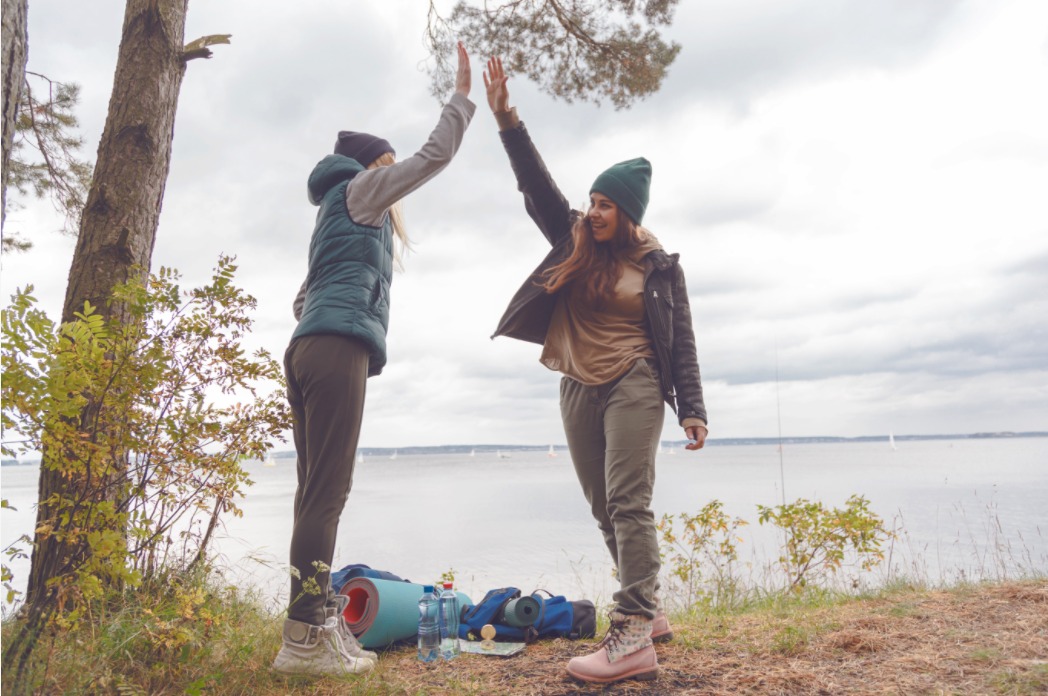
[(667, 309)]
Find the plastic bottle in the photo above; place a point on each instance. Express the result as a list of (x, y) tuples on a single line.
[(428, 625), (449, 622)]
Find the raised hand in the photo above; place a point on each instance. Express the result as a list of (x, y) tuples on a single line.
[(464, 78), (495, 83)]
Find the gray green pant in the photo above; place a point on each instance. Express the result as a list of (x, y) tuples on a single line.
[(613, 431), (326, 380)]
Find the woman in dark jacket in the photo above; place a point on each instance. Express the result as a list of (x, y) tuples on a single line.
[(610, 309)]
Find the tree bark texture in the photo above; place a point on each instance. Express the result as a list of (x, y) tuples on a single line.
[(15, 55), (119, 223), (120, 218)]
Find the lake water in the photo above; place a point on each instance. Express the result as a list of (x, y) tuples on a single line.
[(965, 508)]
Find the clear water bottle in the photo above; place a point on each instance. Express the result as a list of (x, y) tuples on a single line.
[(428, 625), (449, 622)]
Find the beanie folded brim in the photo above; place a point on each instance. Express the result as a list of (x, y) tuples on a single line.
[(362, 147), (627, 184)]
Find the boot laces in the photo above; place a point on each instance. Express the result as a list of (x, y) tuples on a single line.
[(615, 634)]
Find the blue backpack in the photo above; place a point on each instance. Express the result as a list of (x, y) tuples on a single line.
[(557, 617)]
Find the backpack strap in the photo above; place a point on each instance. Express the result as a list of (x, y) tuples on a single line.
[(488, 611), (542, 605)]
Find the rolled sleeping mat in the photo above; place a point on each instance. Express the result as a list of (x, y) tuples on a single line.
[(382, 612), (522, 612)]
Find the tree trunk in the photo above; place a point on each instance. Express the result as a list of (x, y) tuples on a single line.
[(15, 55), (123, 206), (120, 218)]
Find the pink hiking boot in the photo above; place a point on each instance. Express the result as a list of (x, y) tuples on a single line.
[(660, 628), (625, 653)]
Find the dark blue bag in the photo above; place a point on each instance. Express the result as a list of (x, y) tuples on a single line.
[(359, 570), (557, 617)]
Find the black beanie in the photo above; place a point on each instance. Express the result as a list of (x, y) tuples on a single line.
[(362, 147), (627, 183)]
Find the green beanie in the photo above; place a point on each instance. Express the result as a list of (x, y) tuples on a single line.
[(627, 184)]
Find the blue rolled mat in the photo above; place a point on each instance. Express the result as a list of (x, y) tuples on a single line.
[(382, 612)]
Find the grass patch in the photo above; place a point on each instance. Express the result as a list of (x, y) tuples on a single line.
[(790, 640), (1022, 682), (904, 610), (183, 637), (991, 655)]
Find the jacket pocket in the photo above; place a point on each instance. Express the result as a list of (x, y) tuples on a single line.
[(662, 322), (378, 293), (663, 319)]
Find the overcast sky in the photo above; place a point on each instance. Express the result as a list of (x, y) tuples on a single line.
[(858, 192)]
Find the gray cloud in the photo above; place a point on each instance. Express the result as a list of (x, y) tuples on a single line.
[(1033, 268), (804, 246), (734, 51)]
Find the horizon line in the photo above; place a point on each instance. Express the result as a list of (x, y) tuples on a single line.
[(724, 441)]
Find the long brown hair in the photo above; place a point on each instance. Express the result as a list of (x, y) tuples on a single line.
[(594, 265)]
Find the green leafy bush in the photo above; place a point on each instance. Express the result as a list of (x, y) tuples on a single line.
[(147, 420), (818, 540), (701, 554)]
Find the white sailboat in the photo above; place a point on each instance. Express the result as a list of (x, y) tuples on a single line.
[(360, 457), (891, 440), (551, 453), (473, 452), (394, 455), (501, 454), (270, 460)]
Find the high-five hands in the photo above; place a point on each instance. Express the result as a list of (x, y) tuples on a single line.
[(495, 83), (464, 77)]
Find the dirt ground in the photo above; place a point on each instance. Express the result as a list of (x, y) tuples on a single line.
[(982, 640)]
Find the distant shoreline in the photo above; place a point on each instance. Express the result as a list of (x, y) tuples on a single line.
[(712, 442)]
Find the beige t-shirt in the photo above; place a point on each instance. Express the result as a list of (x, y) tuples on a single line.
[(597, 346)]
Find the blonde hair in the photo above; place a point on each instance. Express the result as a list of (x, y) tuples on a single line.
[(401, 243)]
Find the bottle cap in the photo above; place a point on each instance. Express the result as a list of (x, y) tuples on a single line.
[(448, 585), (427, 588)]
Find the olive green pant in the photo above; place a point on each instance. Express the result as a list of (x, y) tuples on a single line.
[(613, 431), (326, 380)]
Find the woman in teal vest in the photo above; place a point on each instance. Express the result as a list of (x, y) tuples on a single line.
[(340, 341)]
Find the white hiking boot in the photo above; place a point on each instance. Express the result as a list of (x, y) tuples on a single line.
[(316, 650), (349, 641)]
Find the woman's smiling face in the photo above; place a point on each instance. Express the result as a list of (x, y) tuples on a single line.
[(603, 217)]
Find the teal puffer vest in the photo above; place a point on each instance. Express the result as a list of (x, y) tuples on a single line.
[(350, 266)]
